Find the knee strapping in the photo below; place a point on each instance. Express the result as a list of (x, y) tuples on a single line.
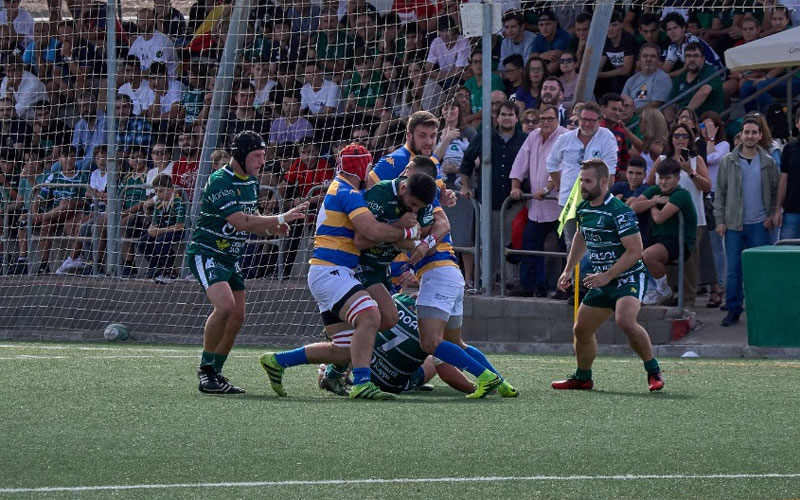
[(343, 339), (358, 306)]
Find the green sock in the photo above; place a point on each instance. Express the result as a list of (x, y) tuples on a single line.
[(207, 358), (335, 371), (651, 366), (583, 374), (219, 360)]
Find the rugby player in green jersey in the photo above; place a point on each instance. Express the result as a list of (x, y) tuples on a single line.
[(609, 231), (228, 215)]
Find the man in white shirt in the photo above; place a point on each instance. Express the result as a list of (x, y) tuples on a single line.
[(161, 98), (24, 88), (151, 45), (90, 130), (318, 96), (133, 85), (588, 141)]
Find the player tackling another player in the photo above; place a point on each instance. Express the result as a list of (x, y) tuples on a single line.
[(608, 229), (228, 215)]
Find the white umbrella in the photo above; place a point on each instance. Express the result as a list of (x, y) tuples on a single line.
[(778, 50)]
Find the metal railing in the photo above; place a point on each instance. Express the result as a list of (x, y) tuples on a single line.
[(4, 238), (475, 249), (505, 251), (786, 242)]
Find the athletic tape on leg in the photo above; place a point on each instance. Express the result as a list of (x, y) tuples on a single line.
[(343, 339), (358, 306)]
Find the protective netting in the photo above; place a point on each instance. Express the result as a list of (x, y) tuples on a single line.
[(309, 77)]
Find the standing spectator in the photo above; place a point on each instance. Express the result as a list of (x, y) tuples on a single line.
[(475, 88), (454, 139), (655, 134), (527, 96), (290, 127), (568, 64), (650, 87), (23, 88), (710, 96), (589, 140), (450, 52), (695, 179), (689, 118), (680, 38), (318, 97), (611, 105), (506, 142), (19, 21), (90, 130), (530, 120), (531, 164), (152, 45), (713, 130), (551, 40), (745, 207), (516, 39), (663, 202), (165, 231), (789, 189), (650, 33), (618, 60)]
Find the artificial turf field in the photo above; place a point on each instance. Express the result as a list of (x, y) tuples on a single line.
[(126, 421)]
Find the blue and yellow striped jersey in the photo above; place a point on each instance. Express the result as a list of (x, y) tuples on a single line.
[(444, 256), (392, 165), (333, 242)]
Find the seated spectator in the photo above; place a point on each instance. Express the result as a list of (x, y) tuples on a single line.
[(76, 64), (133, 218), (19, 19), (287, 83), (165, 230), (527, 96), (260, 79), (14, 133), (474, 86), (90, 130), (32, 174), (152, 45), (333, 46), (23, 88), (529, 120), (618, 60), (131, 130), (663, 202), (133, 84), (364, 31), (364, 92), (516, 39), (38, 53), (275, 44), (169, 20), (551, 40), (49, 134), (634, 184), (738, 79), (184, 171), (305, 18), (162, 101), (577, 43), (710, 96), (650, 32), (193, 98), (243, 116), (59, 205), (449, 54), (162, 165), (651, 86), (290, 126), (778, 21), (675, 26), (513, 70), (568, 65), (318, 97)]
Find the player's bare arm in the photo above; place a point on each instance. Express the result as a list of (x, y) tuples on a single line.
[(577, 252), (272, 224)]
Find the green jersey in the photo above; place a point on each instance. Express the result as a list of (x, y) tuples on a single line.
[(132, 189), (603, 228), (166, 214), (670, 228), (384, 204), (225, 193), (59, 187), (397, 354)]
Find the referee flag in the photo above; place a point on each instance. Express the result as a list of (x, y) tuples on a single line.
[(571, 207)]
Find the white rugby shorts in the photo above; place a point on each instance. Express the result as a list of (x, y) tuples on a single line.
[(328, 284), (443, 289)]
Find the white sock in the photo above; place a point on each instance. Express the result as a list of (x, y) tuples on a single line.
[(661, 283)]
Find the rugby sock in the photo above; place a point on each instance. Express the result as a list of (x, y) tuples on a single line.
[(334, 372), (292, 358), (219, 360), (583, 374), (360, 375), (207, 358), (458, 357), (478, 356), (652, 366)]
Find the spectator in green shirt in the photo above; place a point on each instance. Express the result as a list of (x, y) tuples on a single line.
[(475, 87), (166, 229), (709, 97)]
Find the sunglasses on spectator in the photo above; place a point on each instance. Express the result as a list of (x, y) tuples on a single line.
[(573, 122), (680, 136), (529, 121), (566, 60)]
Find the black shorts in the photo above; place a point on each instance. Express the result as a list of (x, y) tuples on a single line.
[(673, 247)]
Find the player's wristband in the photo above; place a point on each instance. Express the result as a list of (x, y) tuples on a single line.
[(281, 219), (430, 240), (410, 233)]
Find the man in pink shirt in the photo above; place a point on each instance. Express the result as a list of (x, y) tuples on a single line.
[(543, 210)]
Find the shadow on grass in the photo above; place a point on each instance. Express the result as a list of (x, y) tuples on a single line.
[(424, 398), (659, 395)]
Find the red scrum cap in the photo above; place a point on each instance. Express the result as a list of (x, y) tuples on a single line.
[(355, 159)]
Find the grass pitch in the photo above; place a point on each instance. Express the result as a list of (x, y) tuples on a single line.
[(126, 421)]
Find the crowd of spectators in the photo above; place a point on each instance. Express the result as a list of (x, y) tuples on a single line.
[(314, 76)]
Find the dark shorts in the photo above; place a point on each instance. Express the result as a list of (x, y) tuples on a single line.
[(673, 247), (370, 275), (209, 270), (407, 384), (606, 297)]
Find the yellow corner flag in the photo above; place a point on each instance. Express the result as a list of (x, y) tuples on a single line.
[(571, 207)]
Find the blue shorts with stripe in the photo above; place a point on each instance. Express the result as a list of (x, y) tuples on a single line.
[(208, 270)]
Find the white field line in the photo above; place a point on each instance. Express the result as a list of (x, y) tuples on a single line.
[(33, 357), (356, 482)]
